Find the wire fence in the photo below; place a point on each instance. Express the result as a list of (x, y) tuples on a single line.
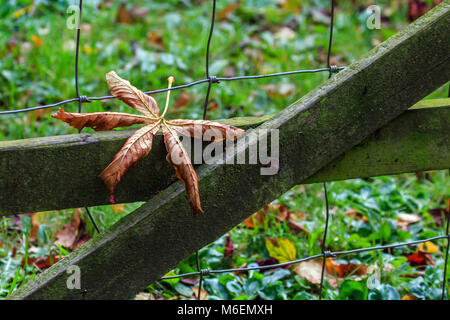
[(211, 79)]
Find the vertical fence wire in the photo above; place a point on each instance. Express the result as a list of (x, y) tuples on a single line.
[(327, 206), (205, 110), (81, 99)]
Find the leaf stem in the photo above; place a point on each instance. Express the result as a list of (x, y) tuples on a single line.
[(170, 80)]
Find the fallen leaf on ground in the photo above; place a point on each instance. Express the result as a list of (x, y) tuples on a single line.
[(155, 40), (18, 13), (118, 208), (346, 269), (229, 248), (182, 100), (43, 262), (410, 297), (82, 240), (409, 217), (203, 293), (266, 261), (421, 258), (429, 247), (281, 249), (405, 219), (37, 41), (439, 214), (132, 15), (260, 218), (285, 33), (229, 9), (416, 9), (296, 226), (413, 275), (34, 227), (311, 270), (68, 235), (257, 219), (292, 6), (190, 281), (355, 215)]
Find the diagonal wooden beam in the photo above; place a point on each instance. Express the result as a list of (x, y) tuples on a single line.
[(312, 132)]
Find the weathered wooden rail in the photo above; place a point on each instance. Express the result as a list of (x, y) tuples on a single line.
[(313, 132), (68, 165)]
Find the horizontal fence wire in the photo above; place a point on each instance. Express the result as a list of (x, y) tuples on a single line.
[(326, 254), (183, 86), (210, 80)]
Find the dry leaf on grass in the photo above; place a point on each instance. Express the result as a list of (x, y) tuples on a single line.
[(132, 15), (311, 270), (405, 219), (420, 259), (410, 297), (229, 248), (140, 143), (281, 249), (203, 293), (439, 214), (118, 208), (260, 218), (229, 9), (429, 247), (43, 262), (68, 235), (354, 214)]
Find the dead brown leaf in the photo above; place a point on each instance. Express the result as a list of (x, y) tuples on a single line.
[(155, 40), (420, 259), (132, 15), (345, 269), (410, 297), (354, 214), (68, 235), (43, 262), (203, 293), (182, 100), (259, 219), (229, 9), (140, 143), (34, 227), (311, 270), (405, 219), (229, 248)]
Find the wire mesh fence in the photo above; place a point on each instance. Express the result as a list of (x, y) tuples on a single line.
[(211, 80)]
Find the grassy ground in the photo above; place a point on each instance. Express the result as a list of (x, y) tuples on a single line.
[(37, 67)]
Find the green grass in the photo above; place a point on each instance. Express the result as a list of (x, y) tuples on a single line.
[(246, 42)]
